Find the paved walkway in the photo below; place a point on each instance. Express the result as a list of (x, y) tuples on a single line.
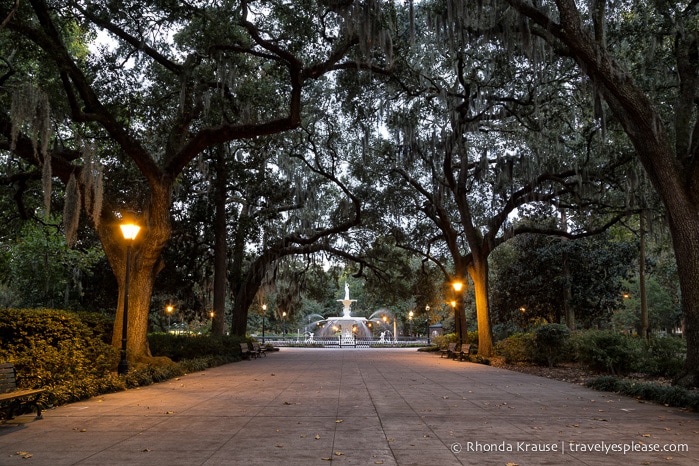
[(354, 407)]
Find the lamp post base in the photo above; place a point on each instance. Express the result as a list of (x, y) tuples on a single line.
[(123, 367)]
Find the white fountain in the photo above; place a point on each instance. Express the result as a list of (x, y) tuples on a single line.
[(350, 327)]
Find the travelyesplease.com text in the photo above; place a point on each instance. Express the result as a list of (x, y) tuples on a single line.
[(563, 447)]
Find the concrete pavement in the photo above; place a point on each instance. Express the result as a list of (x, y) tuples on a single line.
[(303, 406)]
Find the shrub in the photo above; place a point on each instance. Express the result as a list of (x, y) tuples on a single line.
[(69, 357), (551, 342), (663, 356), (442, 341), (519, 347), (657, 393), (607, 351), (180, 347)]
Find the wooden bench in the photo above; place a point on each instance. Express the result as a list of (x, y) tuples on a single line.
[(259, 350), (449, 351), (12, 398), (245, 351), (464, 352)]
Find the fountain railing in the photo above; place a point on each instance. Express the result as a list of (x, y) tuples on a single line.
[(336, 342)]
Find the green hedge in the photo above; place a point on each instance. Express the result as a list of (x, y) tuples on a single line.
[(649, 391), (181, 347), (69, 356)]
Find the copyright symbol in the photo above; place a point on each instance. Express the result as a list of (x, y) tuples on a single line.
[(455, 447)]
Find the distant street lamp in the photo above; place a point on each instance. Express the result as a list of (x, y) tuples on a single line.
[(427, 322), (284, 324), (169, 310), (264, 312), (129, 230), (410, 318)]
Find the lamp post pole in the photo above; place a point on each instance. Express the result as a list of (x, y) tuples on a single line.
[(410, 318), (130, 231), (264, 313), (458, 311), (427, 322), (169, 310)]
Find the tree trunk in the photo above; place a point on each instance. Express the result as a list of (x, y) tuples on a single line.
[(145, 265), (569, 312), (479, 274), (685, 238), (220, 245), (245, 295), (140, 292), (642, 277)]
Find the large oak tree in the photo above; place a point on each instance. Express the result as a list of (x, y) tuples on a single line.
[(172, 80)]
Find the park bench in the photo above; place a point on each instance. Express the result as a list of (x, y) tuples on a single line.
[(245, 351), (12, 398), (464, 352), (259, 350), (449, 351)]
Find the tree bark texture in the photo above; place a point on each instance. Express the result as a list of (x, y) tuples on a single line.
[(479, 274)]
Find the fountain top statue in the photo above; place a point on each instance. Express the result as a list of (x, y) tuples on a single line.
[(347, 302)]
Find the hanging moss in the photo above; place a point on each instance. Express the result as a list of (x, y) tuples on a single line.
[(71, 211)]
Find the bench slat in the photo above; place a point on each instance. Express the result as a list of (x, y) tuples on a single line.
[(21, 394)]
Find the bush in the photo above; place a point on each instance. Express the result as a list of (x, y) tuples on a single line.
[(69, 357), (181, 347), (551, 342), (71, 354), (663, 394), (442, 341), (519, 347), (608, 351), (663, 356)]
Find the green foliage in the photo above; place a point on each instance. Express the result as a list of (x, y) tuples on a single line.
[(520, 347), (43, 270), (69, 353), (189, 347), (655, 392), (664, 356), (70, 357), (442, 341), (551, 341), (608, 351), (664, 311), (530, 273)]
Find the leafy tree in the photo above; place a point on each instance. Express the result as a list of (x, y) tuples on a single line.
[(642, 59), (474, 140), (43, 272), (530, 282), (175, 80)]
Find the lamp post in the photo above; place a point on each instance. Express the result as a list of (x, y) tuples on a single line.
[(169, 310), (458, 315), (410, 318), (129, 230), (264, 312), (427, 322), (284, 324)]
